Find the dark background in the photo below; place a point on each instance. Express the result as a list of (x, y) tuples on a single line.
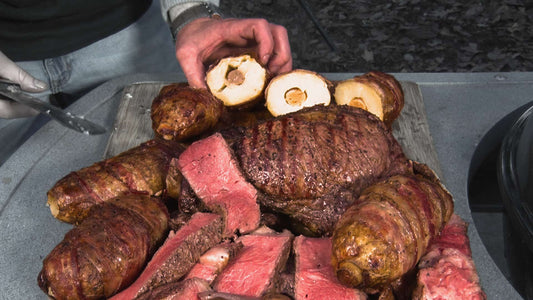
[(401, 35)]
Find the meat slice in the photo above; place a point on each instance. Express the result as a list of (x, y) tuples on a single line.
[(214, 261), (312, 164), (178, 290), (180, 251), (215, 177), (447, 270), (314, 276), (256, 269)]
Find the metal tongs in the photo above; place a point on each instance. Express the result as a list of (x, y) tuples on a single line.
[(13, 91)]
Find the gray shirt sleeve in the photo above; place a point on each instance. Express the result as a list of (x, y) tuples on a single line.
[(179, 6)]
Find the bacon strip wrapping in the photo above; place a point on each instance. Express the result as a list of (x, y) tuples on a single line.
[(107, 251), (149, 168), (388, 229)]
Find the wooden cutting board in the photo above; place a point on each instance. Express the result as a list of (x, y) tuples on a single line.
[(134, 126)]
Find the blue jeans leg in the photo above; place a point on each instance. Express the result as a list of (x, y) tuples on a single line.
[(143, 47)]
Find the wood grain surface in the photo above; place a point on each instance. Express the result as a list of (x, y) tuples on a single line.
[(134, 126), (411, 129)]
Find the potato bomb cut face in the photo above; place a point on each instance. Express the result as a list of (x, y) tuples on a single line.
[(295, 90), (358, 94), (237, 80)]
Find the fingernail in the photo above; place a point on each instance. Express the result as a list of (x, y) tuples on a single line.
[(39, 84), (265, 58)]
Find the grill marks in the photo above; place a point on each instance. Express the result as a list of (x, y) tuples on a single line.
[(304, 155), (306, 160)]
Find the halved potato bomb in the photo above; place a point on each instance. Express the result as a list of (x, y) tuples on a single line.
[(294, 90), (357, 93), (376, 92), (237, 80)]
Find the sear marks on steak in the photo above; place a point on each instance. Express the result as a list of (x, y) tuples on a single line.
[(256, 268), (447, 270), (314, 275), (186, 289), (313, 163), (212, 295), (215, 177), (180, 251)]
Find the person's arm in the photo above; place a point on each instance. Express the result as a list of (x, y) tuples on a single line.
[(9, 70), (202, 36), (178, 13)]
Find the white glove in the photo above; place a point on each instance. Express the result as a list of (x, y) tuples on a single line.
[(9, 70)]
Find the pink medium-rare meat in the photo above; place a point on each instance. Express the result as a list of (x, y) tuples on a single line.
[(187, 289), (178, 254), (447, 270), (314, 275), (212, 262), (454, 235), (214, 175), (256, 268)]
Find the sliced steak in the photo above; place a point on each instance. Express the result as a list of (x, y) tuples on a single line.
[(178, 254), (314, 275), (256, 269), (187, 289), (313, 163), (212, 295), (214, 261), (447, 270), (215, 177)]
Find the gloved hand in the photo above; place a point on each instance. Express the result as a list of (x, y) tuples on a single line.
[(9, 70)]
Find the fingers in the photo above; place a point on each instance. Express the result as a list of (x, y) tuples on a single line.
[(192, 65), (258, 32), (10, 70), (30, 84), (205, 41), (281, 60), (273, 48)]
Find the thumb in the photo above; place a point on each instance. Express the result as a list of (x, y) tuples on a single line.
[(28, 83), (195, 74), (10, 70)]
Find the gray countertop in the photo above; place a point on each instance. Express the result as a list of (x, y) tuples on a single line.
[(461, 108)]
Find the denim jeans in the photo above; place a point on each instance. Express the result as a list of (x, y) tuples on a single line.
[(143, 47)]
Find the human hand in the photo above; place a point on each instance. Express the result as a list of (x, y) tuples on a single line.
[(9, 70), (205, 40)]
